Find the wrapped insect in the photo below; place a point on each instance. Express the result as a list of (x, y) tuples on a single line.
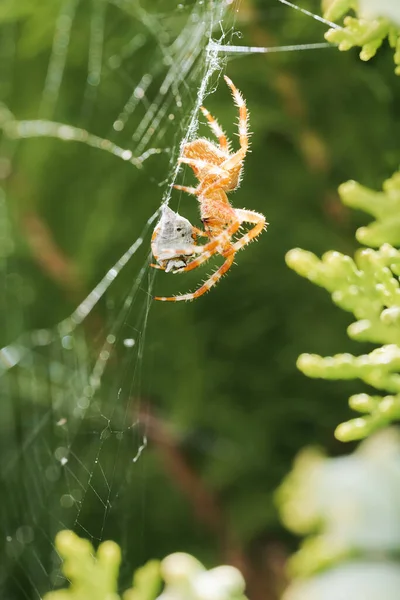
[(172, 242)]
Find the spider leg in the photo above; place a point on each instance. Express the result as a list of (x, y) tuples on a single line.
[(205, 187), (248, 216), (202, 258), (215, 177), (171, 253), (215, 127), (199, 164), (207, 285), (212, 248), (200, 232), (236, 158), (185, 188)]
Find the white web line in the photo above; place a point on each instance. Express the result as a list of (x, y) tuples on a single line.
[(127, 51), (85, 307), (188, 47), (310, 14), (67, 133), (96, 43), (58, 57), (95, 54), (11, 355), (227, 49), (135, 98)]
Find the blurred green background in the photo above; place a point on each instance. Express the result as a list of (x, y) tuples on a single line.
[(211, 385)]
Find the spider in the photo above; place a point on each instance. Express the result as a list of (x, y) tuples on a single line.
[(218, 171)]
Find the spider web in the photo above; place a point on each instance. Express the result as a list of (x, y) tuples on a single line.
[(74, 387)]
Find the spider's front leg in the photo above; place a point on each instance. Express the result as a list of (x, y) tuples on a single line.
[(207, 285), (214, 246), (200, 232), (211, 176), (187, 189)]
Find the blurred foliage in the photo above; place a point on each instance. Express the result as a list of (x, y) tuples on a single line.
[(369, 32), (213, 383), (369, 288), (358, 579), (94, 576), (350, 506)]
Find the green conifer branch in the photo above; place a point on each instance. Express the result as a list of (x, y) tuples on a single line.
[(146, 582), (368, 34), (384, 206), (94, 576), (368, 287)]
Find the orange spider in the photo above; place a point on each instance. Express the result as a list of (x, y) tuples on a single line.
[(218, 171)]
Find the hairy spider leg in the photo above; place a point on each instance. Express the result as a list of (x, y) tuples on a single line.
[(243, 115), (217, 130), (171, 253), (222, 177), (213, 248), (215, 277), (244, 216), (200, 232), (212, 171), (248, 216), (205, 188), (243, 128), (185, 188), (198, 164)]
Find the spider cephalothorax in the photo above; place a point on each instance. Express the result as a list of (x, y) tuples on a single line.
[(218, 171)]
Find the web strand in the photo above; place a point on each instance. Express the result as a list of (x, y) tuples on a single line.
[(68, 133), (226, 49), (58, 57), (310, 14)]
